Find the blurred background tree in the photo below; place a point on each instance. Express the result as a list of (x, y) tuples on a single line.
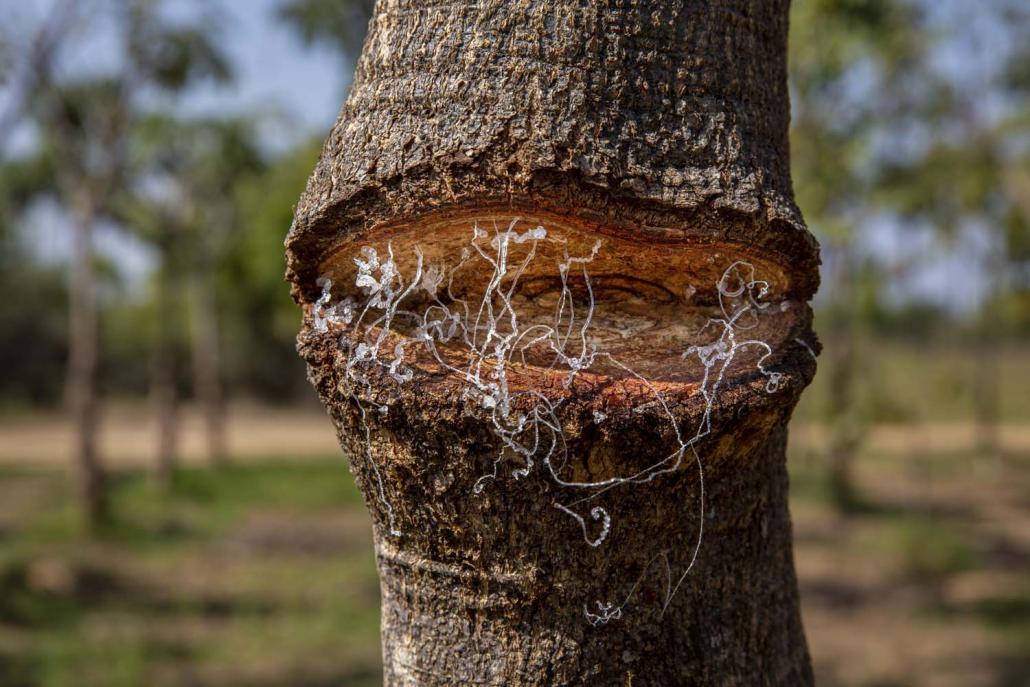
[(970, 178), (885, 135), (85, 125), (181, 202), (848, 61)]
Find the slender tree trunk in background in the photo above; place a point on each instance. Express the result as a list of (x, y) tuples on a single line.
[(660, 130), (163, 387), (844, 420), (985, 395), (81, 378), (985, 372), (844, 435), (207, 382)]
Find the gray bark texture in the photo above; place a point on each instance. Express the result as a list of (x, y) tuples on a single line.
[(662, 127)]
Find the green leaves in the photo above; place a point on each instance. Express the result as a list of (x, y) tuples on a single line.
[(173, 56), (884, 128), (339, 25)]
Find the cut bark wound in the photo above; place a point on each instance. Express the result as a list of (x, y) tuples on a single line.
[(555, 292)]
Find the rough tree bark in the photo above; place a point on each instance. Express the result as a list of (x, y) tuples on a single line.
[(661, 130)]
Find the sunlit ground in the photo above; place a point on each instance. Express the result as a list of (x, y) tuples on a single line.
[(928, 583)]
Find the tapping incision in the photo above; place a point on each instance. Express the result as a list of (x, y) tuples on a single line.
[(524, 318)]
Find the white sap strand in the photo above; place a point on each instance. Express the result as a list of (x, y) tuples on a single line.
[(494, 337), (341, 313), (597, 513), (808, 348)]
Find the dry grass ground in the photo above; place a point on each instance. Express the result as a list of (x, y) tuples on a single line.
[(128, 436), (928, 582), (259, 574), (262, 574)]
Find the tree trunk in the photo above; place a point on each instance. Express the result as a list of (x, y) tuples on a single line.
[(81, 377), (555, 290), (163, 391), (207, 383)]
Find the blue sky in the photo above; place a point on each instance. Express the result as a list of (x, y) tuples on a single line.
[(300, 87), (274, 69)]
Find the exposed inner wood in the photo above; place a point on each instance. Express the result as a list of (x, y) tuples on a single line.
[(652, 300)]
